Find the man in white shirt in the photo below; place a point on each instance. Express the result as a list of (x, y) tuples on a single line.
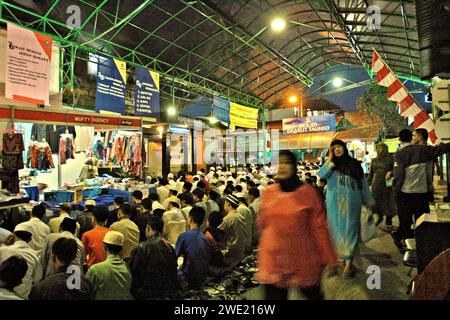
[(254, 201), (211, 173), (40, 229), (162, 190), (173, 192), (129, 230), (64, 212), (187, 201), (174, 221), (18, 245), (245, 212)]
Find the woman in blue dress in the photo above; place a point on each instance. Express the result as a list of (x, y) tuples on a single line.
[(347, 191)]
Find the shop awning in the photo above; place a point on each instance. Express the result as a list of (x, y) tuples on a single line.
[(367, 134), (306, 141), (66, 117)]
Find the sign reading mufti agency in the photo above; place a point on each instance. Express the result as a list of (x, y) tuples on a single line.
[(146, 93), (310, 124), (28, 60), (111, 80)]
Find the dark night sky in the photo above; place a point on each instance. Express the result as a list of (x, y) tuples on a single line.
[(347, 99)]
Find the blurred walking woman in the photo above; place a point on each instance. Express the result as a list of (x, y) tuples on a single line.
[(295, 245), (383, 196), (347, 191)]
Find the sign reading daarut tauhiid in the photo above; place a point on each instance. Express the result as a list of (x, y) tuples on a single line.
[(310, 124)]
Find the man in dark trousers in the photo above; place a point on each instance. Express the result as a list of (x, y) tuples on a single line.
[(411, 186)]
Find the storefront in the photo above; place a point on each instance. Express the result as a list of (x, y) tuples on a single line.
[(72, 152)]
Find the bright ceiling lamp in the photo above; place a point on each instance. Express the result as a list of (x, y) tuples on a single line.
[(278, 24), (337, 82), (213, 120), (171, 111), (293, 99)]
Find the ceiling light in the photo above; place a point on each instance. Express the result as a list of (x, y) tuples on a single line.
[(337, 82), (278, 24), (292, 99), (171, 111), (213, 120)]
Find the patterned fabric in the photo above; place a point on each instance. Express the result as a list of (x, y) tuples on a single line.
[(12, 151), (344, 201)]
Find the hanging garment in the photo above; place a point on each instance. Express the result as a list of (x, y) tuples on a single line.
[(62, 151), (13, 148), (82, 139), (48, 152), (118, 151), (10, 180), (98, 149), (42, 161), (69, 148)]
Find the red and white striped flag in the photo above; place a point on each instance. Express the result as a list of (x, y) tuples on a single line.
[(398, 93)]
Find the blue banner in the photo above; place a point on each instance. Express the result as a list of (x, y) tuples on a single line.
[(111, 80), (221, 110), (310, 124), (146, 93)]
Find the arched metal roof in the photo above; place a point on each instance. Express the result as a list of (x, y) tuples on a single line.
[(227, 47)]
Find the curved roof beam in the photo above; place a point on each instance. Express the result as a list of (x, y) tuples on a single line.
[(277, 58), (265, 73)]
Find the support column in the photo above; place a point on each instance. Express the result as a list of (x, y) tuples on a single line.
[(165, 154)]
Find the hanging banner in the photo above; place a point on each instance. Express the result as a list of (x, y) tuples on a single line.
[(28, 60), (111, 80), (309, 124), (221, 110), (146, 93), (396, 91), (241, 116)]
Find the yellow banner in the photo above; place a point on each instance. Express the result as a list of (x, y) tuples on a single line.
[(241, 116)]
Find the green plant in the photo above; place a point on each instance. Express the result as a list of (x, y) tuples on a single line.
[(377, 107)]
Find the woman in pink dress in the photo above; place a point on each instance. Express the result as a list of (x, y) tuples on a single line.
[(295, 244)]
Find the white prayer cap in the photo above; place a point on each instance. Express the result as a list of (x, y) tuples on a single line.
[(170, 176), (228, 173), (212, 169), (240, 195), (223, 179), (256, 181), (114, 237)]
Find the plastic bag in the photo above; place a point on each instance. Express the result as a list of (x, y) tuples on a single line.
[(368, 227)]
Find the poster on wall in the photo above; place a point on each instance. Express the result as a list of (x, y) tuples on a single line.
[(241, 116), (28, 60), (111, 81), (221, 110), (309, 124), (146, 93)]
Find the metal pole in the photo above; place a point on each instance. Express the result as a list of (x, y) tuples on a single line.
[(301, 104), (447, 197)]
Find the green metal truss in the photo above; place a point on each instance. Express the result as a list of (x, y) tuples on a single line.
[(177, 76)]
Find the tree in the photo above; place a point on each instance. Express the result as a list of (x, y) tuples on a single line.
[(377, 107)]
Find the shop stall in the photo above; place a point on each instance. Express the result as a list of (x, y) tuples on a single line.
[(70, 155)]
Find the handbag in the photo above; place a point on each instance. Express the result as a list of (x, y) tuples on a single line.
[(368, 228)]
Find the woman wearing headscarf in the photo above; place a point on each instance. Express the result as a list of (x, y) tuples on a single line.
[(295, 245), (383, 195), (347, 191)]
